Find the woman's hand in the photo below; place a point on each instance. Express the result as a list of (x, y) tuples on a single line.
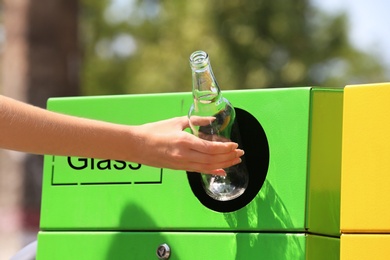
[(166, 145)]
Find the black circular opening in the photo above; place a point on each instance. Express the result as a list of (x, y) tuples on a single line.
[(251, 137)]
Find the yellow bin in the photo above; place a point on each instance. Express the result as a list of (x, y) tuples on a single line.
[(365, 181)]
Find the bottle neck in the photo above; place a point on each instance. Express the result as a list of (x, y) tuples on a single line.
[(204, 85)]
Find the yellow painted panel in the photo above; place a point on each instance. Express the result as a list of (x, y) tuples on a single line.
[(365, 247), (365, 187)]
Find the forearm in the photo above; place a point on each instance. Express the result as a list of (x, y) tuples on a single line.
[(34, 130), (161, 144)]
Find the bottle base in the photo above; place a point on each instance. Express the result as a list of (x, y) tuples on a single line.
[(219, 188)]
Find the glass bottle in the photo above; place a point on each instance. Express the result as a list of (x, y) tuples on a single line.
[(212, 117)]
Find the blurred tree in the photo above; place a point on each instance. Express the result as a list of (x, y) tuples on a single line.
[(143, 45)]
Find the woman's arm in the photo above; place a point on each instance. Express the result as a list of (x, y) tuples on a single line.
[(162, 144)]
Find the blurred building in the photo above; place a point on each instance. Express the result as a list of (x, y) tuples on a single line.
[(39, 59)]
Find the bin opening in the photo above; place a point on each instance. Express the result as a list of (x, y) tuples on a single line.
[(251, 137)]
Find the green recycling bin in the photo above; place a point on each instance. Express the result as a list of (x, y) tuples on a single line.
[(106, 209)]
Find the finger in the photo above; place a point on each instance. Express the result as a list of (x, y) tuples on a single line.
[(210, 168), (219, 172), (215, 138), (198, 157), (212, 162), (183, 122), (201, 120), (209, 147)]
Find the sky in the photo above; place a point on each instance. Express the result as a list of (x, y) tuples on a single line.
[(369, 23)]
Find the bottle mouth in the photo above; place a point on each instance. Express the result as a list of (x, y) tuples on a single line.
[(199, 59)]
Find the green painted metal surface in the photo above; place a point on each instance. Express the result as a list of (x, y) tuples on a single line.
[(194, 245), (324, 185), (322, 247), (81, 194)]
